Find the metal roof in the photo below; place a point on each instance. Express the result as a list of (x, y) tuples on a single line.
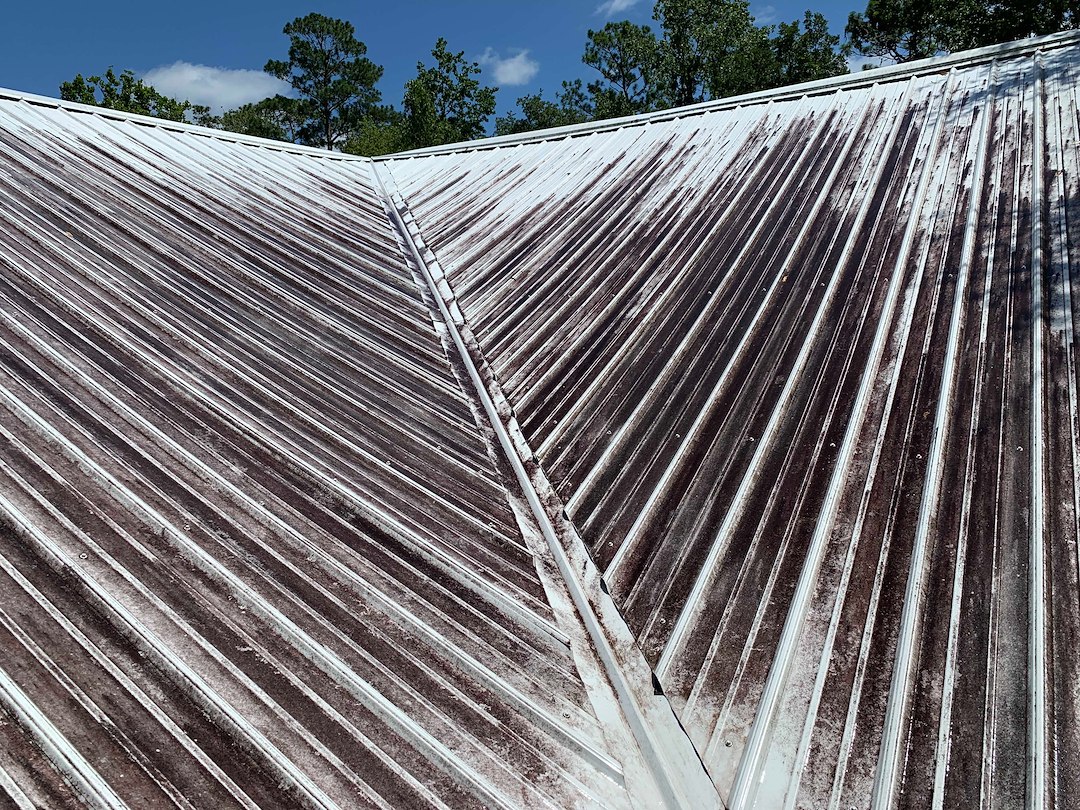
[(258, 544), (800, 366), (450, 479)]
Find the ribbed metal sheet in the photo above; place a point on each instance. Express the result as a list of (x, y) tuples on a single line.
[(803, 371), (256, 548)]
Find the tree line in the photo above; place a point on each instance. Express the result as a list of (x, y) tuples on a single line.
[(701, 50)]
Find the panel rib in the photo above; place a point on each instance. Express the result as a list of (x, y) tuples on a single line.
[(255, 545), (801, 368)]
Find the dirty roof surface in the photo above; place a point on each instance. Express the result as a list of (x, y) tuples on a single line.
[(256, 546), (801, 369), (286, 440)]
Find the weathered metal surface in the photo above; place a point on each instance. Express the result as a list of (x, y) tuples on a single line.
[(255, 547), (802, 371)]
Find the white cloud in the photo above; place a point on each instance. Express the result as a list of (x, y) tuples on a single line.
[(764, 15), (609, 7), (511, 70), (218, 88), (858, 63)]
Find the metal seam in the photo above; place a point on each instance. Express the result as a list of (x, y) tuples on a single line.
[(672, 792), (1037, 588)]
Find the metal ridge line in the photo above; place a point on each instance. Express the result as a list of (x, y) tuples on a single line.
[(176, 126), (1036, 753), (816, 87), (867, 78), (673, 788)]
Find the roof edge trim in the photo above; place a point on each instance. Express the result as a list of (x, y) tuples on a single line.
[(847, 81), (675, 767), (177, 126)]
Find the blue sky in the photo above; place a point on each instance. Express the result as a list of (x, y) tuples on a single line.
[(213, 52)]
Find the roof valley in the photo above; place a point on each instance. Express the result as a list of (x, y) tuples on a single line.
[(664, 766)]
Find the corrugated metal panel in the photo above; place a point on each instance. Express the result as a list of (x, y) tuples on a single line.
[(802, 370), (255, 547)]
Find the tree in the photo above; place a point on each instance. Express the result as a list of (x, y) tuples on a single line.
[(1008, 20), (626, 56), (380, 133), (807, 54), (126, 93), (335, 82), (707, 49), (445, 103), (572, 107), (903, 30), (278, 117), (710, 49)]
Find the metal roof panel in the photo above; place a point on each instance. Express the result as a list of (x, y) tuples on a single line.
[(800, 368)]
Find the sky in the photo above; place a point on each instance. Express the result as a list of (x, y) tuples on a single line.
[(212, 51)]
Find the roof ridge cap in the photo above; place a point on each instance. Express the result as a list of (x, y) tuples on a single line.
[(7, 95), (864, 78)]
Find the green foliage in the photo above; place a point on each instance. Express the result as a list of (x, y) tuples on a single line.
[(707, 49), (987, 23), (903, 30), (572, 107), (335, 82), (445, 102), (626, 56), (808, 53), (380, 133), (126, 93), (900, 30), (279, 118)]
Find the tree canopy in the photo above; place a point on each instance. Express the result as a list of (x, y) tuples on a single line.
[(627, 58), (278, 117), (706, 49), (332, 78), (903, 30), (806, 53), (709, 49), (446, 103), (572, 106), (126, 93), (698, 50)]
